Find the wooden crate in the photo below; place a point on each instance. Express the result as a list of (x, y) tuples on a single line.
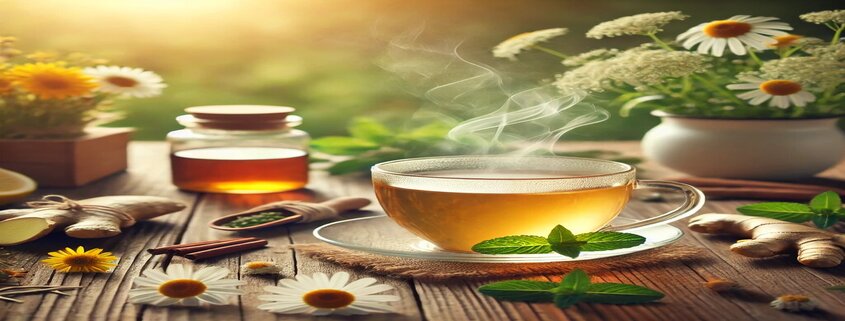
[(68, 162)]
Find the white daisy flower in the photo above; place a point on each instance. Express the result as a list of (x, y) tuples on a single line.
[(125, 81), (260, 267), (782, 92), (181, 285), (794, 303), (321, 295), (511, 47), (735, 33)]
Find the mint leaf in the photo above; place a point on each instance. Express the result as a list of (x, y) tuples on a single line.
[(338, 145), (840, 288), (576, 282), (564, 242), (790, 212), (520, 290), (826, 201), (565, 300), (517, 244), (371, 130), (825, 220), (618, 293), (604, 241)]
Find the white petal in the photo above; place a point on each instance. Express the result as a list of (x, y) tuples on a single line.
[(780, 102), (689, 43), (146, 281), (759, 19), (292, 284), (806, 96), (144, 298), (705, 45), (750, 94), (760, 99), (770, 32), (139, 291), (691, 31), (165, 301), (176, 271), (736, 46), (321, 279), (339, 280), (224, 283), (797, 101), (225, 291), (772, 25), (379, 298), (212, 298), (358, 284), (190, 302), (372, 289), (157, 275), (719, 45), (742, 86), (739, 17)]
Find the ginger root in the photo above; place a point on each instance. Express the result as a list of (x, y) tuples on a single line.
[(89, 218), (769, 237)]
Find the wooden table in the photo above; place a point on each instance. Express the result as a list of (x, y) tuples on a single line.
[(103, 296)]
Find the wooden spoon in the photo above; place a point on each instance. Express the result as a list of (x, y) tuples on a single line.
[(292, 213)]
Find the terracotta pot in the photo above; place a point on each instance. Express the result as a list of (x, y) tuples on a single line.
[(772, 149), (68, 162)]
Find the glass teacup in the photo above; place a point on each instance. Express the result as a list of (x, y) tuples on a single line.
[(458, 201)]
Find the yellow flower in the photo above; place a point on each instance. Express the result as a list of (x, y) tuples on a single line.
[(68, 260), (786, 41), (51, 81)]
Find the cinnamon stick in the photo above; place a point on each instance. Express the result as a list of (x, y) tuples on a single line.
[(195, 248), (758, 193), (702, 182), (239, 247), (169, 248)]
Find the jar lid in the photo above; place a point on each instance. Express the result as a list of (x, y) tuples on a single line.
[(241, 117)]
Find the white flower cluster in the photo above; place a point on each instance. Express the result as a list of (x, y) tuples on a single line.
[(511, 47), (588, 56), (816, 73), (641, 24), (836, 52), (637, 67), (822, 17)]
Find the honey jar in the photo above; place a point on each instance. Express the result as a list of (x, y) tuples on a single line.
[(239, 149)]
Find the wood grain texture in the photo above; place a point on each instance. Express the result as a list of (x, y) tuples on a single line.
[(104, 295)]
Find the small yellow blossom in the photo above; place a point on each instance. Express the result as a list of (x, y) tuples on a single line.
[(68, 260), (51, 80)]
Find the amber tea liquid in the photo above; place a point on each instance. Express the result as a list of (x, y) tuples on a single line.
[(457, 221), (240, 169)]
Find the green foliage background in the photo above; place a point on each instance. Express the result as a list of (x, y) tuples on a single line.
[(318, 55)]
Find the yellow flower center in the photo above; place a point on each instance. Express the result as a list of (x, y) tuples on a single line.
[(328, 298), (182, 288), (258, 265), (779, 87), (793, 298), (52, 81), (726, 29), (82, 260), (122, 81), (785, 41)]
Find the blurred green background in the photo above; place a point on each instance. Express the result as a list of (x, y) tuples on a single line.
[(318, 55)]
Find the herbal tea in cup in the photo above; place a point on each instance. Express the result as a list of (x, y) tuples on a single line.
[(457, 202)]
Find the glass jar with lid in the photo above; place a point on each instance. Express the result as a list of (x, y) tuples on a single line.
[(239, 149)]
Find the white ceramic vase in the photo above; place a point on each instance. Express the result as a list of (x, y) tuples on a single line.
[(745, 148)]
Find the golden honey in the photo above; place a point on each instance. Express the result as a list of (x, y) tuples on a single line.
[(240, 169)]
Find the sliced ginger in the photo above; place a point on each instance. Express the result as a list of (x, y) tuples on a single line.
[(14, 186), (769, 237)]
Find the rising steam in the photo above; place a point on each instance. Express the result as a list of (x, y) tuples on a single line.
[(493, 116)]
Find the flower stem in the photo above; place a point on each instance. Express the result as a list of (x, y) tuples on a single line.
[(550, 51), (660, 42), (836, 35), (753, 55), (718, 89)]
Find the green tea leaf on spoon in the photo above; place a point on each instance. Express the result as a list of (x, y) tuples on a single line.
[(826, 201), (618, 293), (604, 241), (564, 242), (520, 290), (825, 220), (517, 244), (790, 212)]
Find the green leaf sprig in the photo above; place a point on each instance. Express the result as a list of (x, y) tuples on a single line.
[(560, 240), (824, 210), (575, 287)]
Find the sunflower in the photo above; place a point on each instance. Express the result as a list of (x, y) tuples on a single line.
[(320, 295), (125, 81), (181, 285), (734, 33), (93, 260), (51, 81), (5, 85)]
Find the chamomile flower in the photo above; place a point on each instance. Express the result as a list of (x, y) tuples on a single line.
[(80, 260), (734, 33), (794, 303), (125, 81), (320, 295), (260, 267), (181, 285), (513, 46), (780, 93)]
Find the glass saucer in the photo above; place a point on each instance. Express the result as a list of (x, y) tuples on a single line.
[(380, 235)]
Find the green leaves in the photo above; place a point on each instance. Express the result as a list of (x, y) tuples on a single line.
[(517, 244), (575, 287), (560, 240), (339, 145), (824, 210)]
